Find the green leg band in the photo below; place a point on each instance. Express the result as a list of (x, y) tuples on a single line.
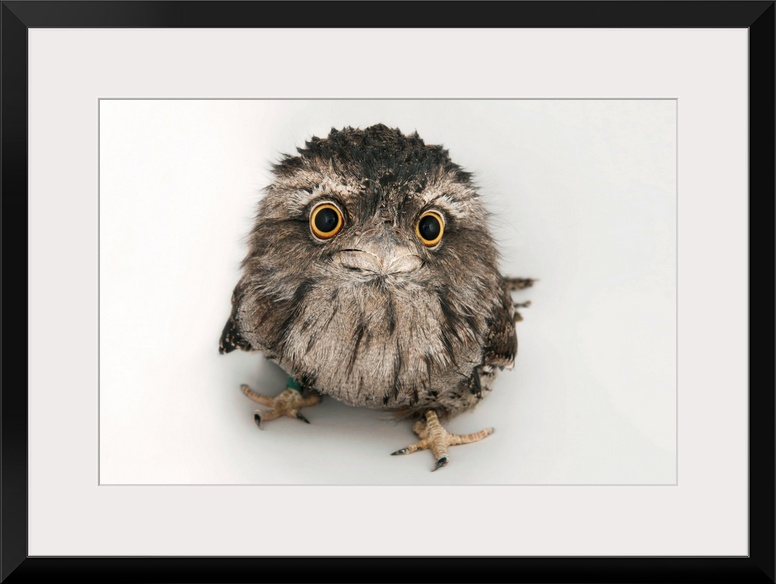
[(292, 384)]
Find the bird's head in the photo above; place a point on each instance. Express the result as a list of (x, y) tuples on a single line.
[(372, 206)]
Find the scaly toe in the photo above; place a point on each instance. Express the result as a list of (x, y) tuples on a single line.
[(422, 445)]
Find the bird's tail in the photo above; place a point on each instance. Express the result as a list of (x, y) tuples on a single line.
[(514, 284)]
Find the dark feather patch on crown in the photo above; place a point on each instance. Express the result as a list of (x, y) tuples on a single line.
[(377, 147)]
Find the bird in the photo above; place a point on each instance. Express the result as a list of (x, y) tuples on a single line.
[(371, 277)]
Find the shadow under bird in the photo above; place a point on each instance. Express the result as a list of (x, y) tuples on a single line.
[(371, 277)]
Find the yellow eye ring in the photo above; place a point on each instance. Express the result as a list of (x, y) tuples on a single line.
[(326, 220), (429, 228)]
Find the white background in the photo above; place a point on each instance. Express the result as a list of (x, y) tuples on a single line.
[(705, 513), (583, 195)]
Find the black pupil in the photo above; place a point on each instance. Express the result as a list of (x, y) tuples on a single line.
[(326, 220), (429, 228)]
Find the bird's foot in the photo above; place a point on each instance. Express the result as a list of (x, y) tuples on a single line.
[(434, 437), (288, 403)]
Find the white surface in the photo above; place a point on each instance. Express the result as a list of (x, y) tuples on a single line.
[(583, 195), (70, 513)]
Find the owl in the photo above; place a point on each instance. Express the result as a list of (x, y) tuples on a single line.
[(371, 277)]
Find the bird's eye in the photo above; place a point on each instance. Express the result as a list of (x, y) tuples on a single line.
[(325, 220), (430, 228)]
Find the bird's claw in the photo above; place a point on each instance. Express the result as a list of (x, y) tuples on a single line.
[(435, 438), (287, 403), (440, 463)]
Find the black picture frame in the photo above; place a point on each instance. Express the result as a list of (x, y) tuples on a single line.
[(19, 16)]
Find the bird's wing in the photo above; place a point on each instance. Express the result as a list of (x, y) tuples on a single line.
[(500, 345), (231, 338)]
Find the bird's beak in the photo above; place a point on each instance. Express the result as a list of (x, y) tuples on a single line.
[(383, 255)]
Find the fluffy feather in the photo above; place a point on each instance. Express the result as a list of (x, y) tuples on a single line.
[(429, 336)]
